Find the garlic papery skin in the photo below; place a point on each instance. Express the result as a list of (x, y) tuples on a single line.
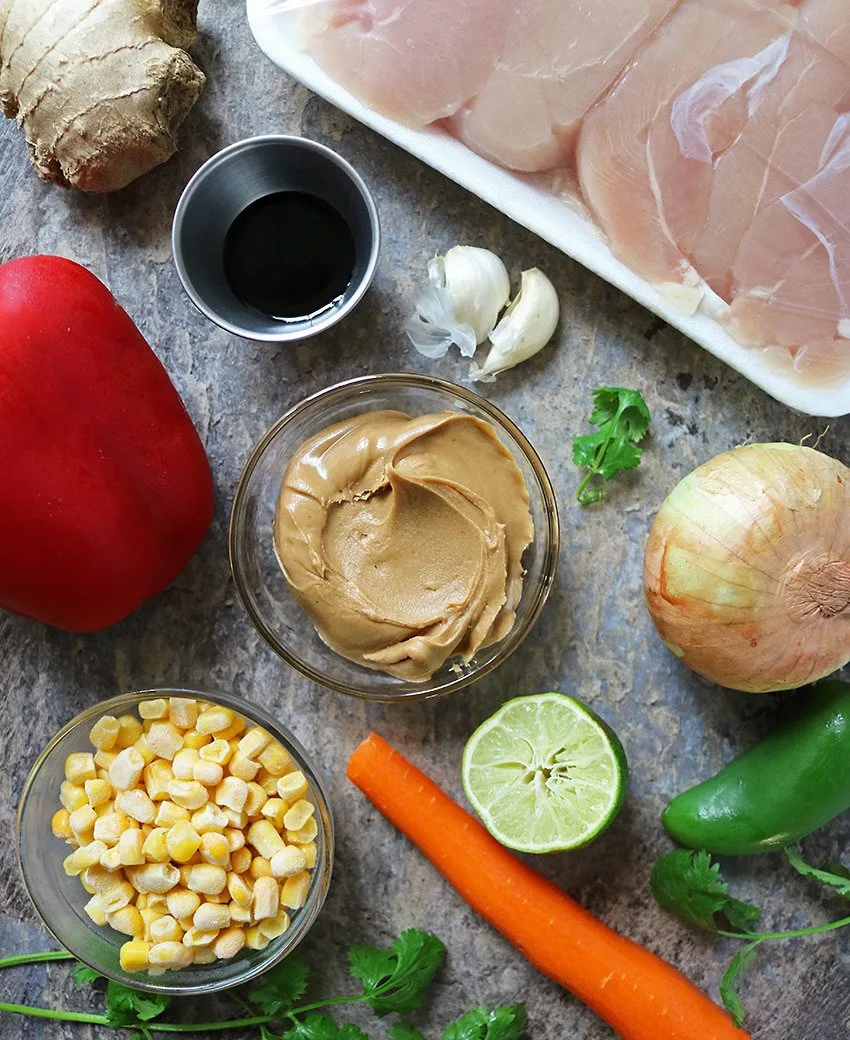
[(747, 568), (526, 327), (468, 288)]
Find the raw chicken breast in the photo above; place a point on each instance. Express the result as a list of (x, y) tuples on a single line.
[(645, 151), (559, 57), (413, 60)]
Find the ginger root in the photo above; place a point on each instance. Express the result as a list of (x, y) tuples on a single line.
[(99, 87)]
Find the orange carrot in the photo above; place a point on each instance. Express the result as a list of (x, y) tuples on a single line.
[(639, 995)]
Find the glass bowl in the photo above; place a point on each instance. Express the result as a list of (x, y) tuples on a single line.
[(260, 582), (60, 899)]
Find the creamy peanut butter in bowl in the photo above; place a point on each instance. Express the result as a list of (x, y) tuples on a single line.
[(394, 536)]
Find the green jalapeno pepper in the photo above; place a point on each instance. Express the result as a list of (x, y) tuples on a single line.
[(789, 784)]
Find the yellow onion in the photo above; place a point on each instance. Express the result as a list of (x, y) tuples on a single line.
[(747, 568)]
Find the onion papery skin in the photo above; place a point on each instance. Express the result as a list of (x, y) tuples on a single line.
[(747, 568)]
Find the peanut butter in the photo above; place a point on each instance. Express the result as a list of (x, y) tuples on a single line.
[(403, 536)]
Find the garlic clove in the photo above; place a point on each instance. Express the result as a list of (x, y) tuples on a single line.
[(468, 288), (526, 327)]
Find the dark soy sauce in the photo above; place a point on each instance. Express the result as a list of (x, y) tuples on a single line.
[(289, 255)]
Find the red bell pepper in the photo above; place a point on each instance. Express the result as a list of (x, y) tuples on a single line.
[(105, 489)]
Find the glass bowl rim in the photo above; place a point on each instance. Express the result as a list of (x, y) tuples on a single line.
[(502, 422), (257, 714)]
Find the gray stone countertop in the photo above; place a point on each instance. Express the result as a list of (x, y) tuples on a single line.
[(594, 638)]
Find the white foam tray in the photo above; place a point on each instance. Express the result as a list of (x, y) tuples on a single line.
[(536, 209)]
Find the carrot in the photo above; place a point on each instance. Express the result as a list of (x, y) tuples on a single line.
[(638, 994)]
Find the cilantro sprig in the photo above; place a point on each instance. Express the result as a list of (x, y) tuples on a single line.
[(689, 884), (622, 418), (393, 981)]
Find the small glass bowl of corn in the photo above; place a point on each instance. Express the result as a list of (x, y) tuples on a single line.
[(198, 840)]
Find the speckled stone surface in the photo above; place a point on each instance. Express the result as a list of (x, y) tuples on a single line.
[(594, 638)]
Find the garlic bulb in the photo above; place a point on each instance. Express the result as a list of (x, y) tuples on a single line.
[(468, 288), (526, 327), (747, 568)]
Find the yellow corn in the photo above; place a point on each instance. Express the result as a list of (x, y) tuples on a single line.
[(239, 914), (130, 847), (238, 889), (214, 849), (104, 733), (275, 809), (232, 793), (188, 793), (196, 937), (209, 818), (82, 822), (256, 799), (155, 848), (104, 759), (294, 890), (109, 828), (288, 862), (129, 731), (217, 751), (215, 719), (255, 741), (116, 898), (136, 804), (206, 879), (203, 955), (98, 792), (169, 813), (298, 815), (164, 739), (211, 917), (245, 768), (229, 943), (268, 782), (234, 730), (275, 926), (310, 854), (147, 752), (156, 777), (72, 796), (265, 838), (157, 709), (170, 955), (165, 929), (182, 903), (276, 760), (134, 955), (154, 877), (207, 773), (126, 769), (128, 921), (260, 867), (237, 820), (235, 838), (292, 786), (183, 712), (92, 908), (111, 859), (193, 739), (255, 940), (80, 767), (240, 860), (182, 841), (183, 762), (60, 824), (266, 901), (305, 835)]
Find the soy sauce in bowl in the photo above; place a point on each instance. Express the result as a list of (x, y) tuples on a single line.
[(290, 255)]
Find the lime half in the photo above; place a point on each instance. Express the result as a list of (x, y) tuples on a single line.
[(545, 774)]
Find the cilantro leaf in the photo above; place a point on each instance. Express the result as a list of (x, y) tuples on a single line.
[(404, 1031), (507, 1022), (84, 975), (838, 879), (282, 986), (395, 980), (731, 980), (130, 1007), (622, 418), (322, 1027), (689, 885)]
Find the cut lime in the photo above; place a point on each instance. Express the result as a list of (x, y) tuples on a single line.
[(545, 774)]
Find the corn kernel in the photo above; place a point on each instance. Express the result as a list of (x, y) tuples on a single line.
[(183, 712), (267, 782), (255, 940), (215, 719), (305, 835), (193, 739), (144, 749), (80, 767), (206, 879), (294, 891), (155, 848), (235, 838), (130, 847), (232, 793), (276, 759), (238, 889), (136, 805), (214, 849), (129, 731), (207, 773), (97, 879), (188, 793), (310, 852), (275, 809), (260, 867), (134, 955), (169, 813), (203, 955), (197, 937), (229, 943), (245, 768), (104, 733), (166, 929), (292, 786), (98, 792), (288, 862), (150, 914), (240, 860), (92, 908), (266, 901), (72, 796), (89, 855), (128, 921), (103, 774), (110, 828), (69, 864), (211, 917), (125, 771), (104, 759), (218, 751), (154, 877), (209, 818), (143, 901), (239, 914), (164, 739), (116, 898), (156, 709), (111, 859), (169, 955), (158, 901), (254, 742), (236, 820), (60, 824), (183, 762), (82, 821), (274, 927), (156, 778), (218, 897), (234, 730), (256, 799), (265, 838), (298, 815), (182, 841), (182, 903)]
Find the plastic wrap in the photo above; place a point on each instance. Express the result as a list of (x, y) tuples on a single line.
[(708, 140)]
